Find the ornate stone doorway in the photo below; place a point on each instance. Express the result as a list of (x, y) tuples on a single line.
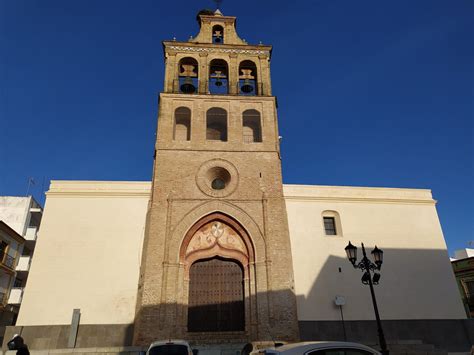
[(216, 254), (216, 296)]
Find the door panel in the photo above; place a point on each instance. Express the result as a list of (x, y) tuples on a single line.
[(216, 296)]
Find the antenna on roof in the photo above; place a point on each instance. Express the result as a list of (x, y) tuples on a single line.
[(31, 181), (218, 3)]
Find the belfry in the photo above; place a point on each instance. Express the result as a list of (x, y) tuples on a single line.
[(216, 255)]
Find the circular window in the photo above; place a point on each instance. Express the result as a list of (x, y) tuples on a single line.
[(218, 184), (217, 178)]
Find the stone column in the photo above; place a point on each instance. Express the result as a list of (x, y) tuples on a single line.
[(171, 72), (264, 78), (203, 72), (233, 74)]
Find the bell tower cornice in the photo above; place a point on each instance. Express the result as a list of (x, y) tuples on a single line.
[(175, 47)]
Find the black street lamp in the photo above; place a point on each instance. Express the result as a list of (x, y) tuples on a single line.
[(367, 267)]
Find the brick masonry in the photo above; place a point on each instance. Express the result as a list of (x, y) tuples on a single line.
[(253, 199)]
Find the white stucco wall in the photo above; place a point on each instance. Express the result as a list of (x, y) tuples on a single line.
[(14, 212), (89, 250), (417, 280), (88, 254)]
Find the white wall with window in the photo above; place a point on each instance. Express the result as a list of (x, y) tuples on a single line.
[(402, 222)]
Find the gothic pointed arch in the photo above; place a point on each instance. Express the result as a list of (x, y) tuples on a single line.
[(216, 235), (247, 224)]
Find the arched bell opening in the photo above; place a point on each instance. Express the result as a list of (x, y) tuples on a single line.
[(217, 34), (218, 263), (248, 78), (188, 74), (218, 77)]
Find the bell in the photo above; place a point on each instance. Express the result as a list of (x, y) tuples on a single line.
[(187, 86), (247, 86)]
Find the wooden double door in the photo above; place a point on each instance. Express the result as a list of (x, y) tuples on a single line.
[(216, 296)]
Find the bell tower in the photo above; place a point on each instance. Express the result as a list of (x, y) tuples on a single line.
[(216, 261)]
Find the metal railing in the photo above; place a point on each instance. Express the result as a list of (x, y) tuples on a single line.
[(186, 85), (214, 86), (8, 261), (249, 88)]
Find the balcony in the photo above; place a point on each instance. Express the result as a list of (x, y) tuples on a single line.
[(16, 295), (8, 261), (30, 234), (24, 263), (3, 298)]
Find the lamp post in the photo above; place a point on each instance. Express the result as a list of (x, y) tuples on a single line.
[(367, 266)]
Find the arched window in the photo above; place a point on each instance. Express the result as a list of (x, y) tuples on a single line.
[(188, 76), (248, 78), (252, 127), (216, 124), (217, 35), (182, 124), (218, 77), (332, 223)]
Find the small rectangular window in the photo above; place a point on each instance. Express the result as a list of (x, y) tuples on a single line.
[(330, 225), (3, 247), (469, 288), (18, 283)]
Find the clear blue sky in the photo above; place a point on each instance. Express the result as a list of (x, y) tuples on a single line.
[(381, 93)]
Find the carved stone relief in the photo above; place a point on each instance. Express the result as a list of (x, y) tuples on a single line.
[(216, 234)]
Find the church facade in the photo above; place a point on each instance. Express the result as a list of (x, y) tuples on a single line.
[(216, 248)]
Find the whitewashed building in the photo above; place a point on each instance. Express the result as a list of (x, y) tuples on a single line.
[(23, 214), (216, 249)]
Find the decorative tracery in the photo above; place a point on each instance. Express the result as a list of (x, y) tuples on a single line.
[(216, 235)]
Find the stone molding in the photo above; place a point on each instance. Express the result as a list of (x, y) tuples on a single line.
[(220, 50), (61, 188), (216, 235), (178, 234), (357, 194), (204, 173)]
